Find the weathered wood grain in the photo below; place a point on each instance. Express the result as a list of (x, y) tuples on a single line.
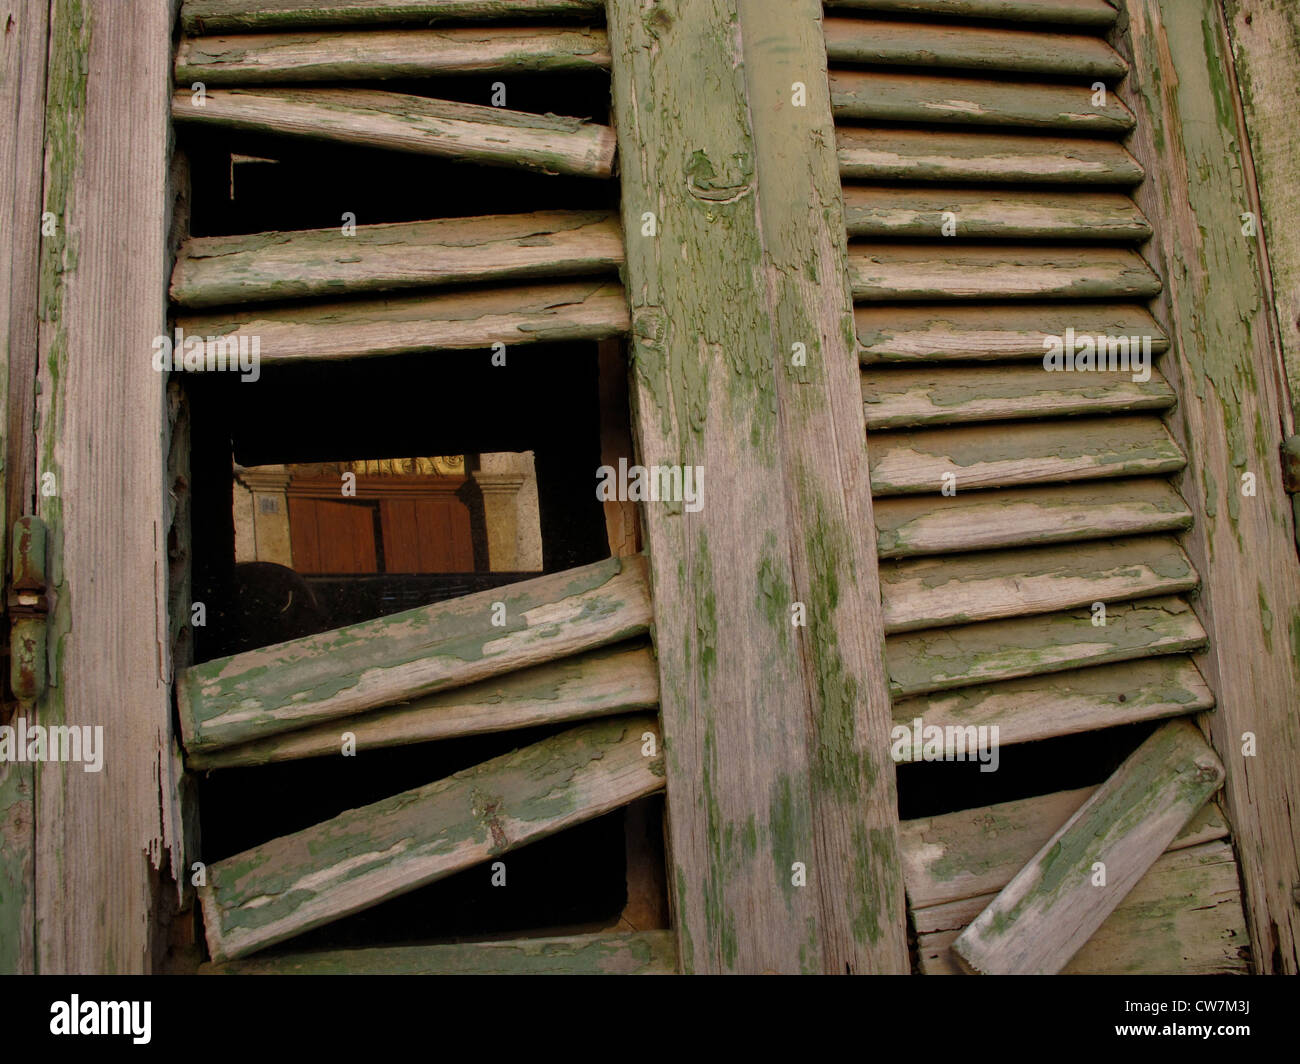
[(372, 55), (491, 136), (909, 526), (451, 321), (323, 263), (912, 97), (212, 16), (895, 397), (966, 857), (1053, 905), (982, 456), (410, 654), (774, 731), (598, 684), (101, 842), (635, 953), (1184, 917), (1066, 703), (973, 333), (23, 51), (943, 660), (889, 154), (983, 214), (959, 47), (985, 586), (1224, 366), (366, 855), (891, 272), (1092, 13)]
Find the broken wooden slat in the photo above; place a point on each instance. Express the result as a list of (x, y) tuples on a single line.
[(1066, 703), (410, 654), (1053, 905), (1098, 14), (878, 96), (491, 136), (965, 333), (891, 272), (911, 526), (985, 586), (212, 16), (952, 395), (576, 310), (364, 856), (373, 55), (930, 155), (598, 684), (981, 214), (957, 47), (983, 456), (1184, 917), (928, 661), (635, 953), (954, 858), (323, 263)]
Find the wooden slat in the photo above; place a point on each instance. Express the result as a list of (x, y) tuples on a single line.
[(597, 684), (1053, 905), (491, 136), (635, 953), (364, 856), (277, 58), (1184, 917), (1093, 13), (575, 310), (963, 333), (954, 858), (928, 155), (323, 263), (983, 456), (911, 526), (953, 395), (891, 272), (957, 589), (410, 654), (984, 214), (1065, 703), (212, 16), (922, 662), (776, 732), (877, 96), (957, 47), (1225, 365)]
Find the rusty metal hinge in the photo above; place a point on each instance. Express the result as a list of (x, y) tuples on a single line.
[(28, 610)]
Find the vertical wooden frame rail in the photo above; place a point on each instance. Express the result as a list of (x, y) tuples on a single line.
[(744, 364), (100, 459), (1224, 365)]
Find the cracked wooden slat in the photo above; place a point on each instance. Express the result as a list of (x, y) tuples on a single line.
[(367, 855), (212, 16)]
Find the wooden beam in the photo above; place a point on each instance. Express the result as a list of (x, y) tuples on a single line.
[(889, 154), (451, 321), (490, 136), (774, 731), (324, 263), (101, 842), (364, 856), (1096, 14), (1225, 367), (1053, 905), (636, 953), (214, 16), (373, 55), (597, 684), (410, 654)]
